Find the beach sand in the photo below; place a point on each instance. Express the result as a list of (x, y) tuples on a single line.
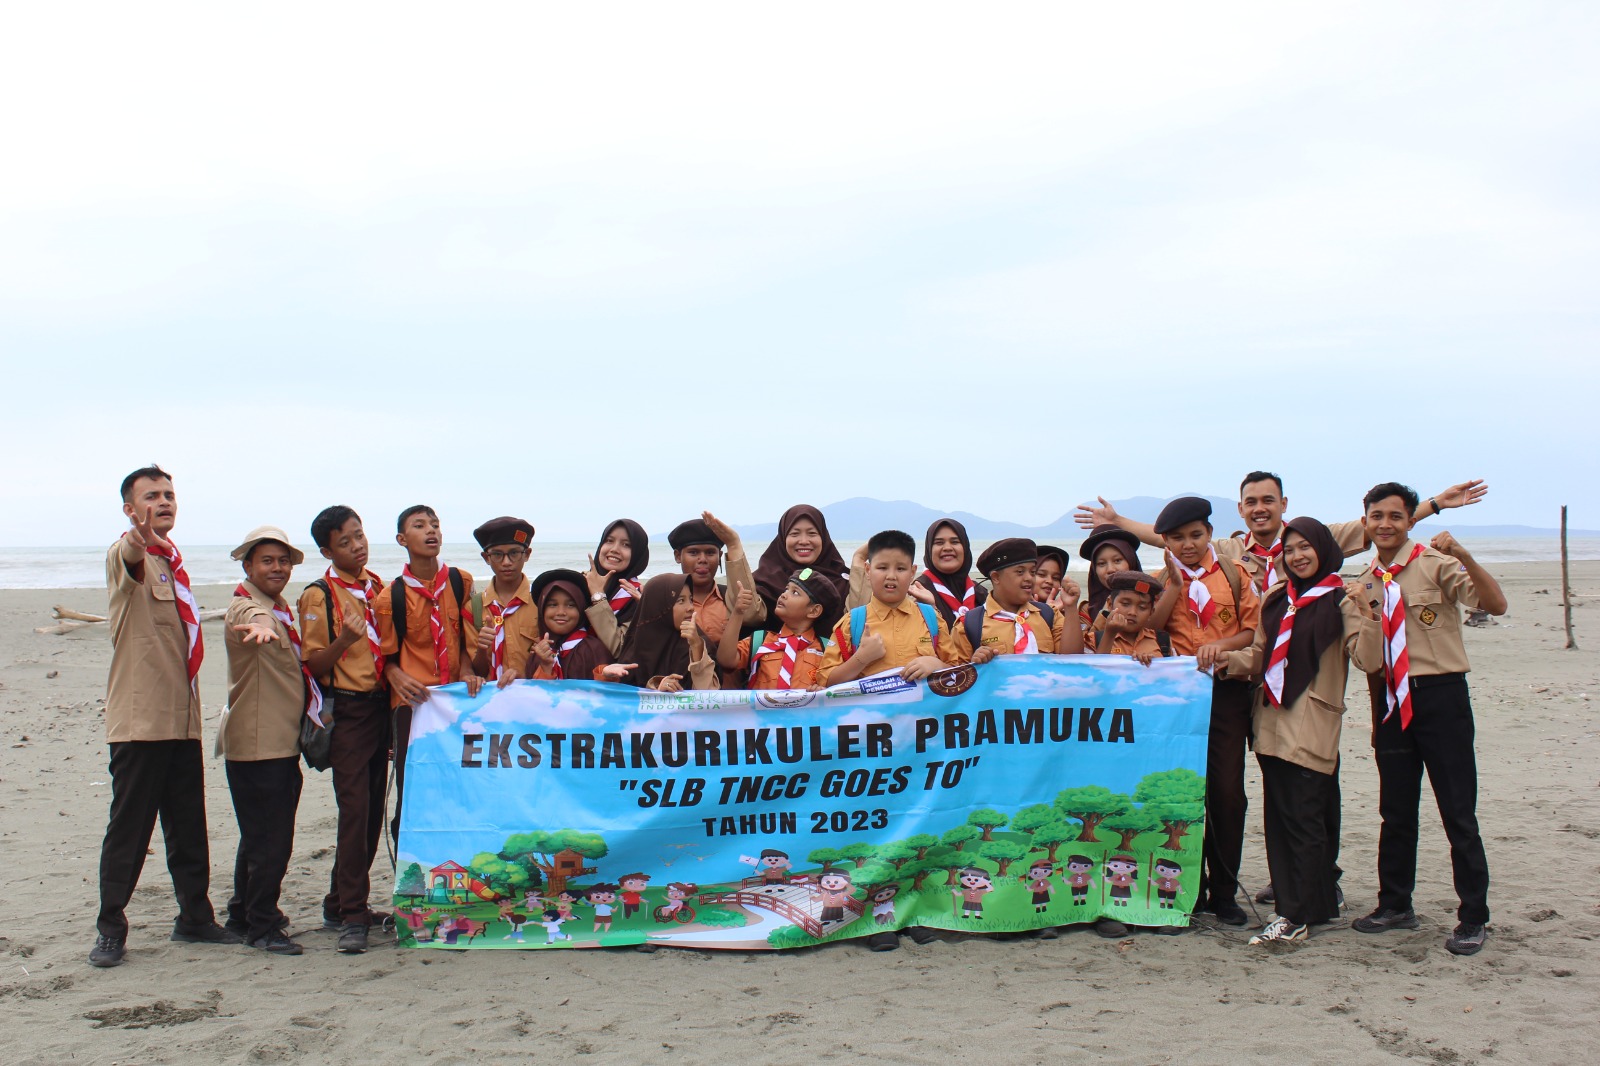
[(1341, 997)]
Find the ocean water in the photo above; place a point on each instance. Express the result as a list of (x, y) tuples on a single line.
[(208, 564)]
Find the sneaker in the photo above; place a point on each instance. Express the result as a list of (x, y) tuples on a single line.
[(922, 934), (353, 939), (1171, 930), (108, 951), (211, 933), (1280, 929), (1049, 932), (1338, 897), (1267, 895), (1228, 912), (1467, 939), (335, 924), (1381, 921), (277, 943), (884, 941), (1110, 928)]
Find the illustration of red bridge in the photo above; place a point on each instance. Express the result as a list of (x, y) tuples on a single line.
[(796, 902)]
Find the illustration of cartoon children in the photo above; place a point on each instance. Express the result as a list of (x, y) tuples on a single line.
[(833, 888), (975, 884), (1119, 875), (677, 891), (514, 918), (773, 867), (1079, 878), (601, 897), (632, 893), (1166, 882), (552, 927), (1038, 880), (417, 921), (562, 901), (882, 899)]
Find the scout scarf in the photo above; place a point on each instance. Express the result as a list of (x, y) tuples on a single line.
[(1268, 558), (433, 594), (1398, 681), (313, 691), (958, 607), (572, 640), (497, 616), (791, 646), (188, 610), (1278, 661), (1199, 596), (1024, 640), (363, 593)]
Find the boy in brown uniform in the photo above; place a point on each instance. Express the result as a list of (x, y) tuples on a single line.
[(1426, 717), (269, 688), (697, 548), (1010, 621), (153, 723), (509, 626), (1217, 613), (1129, 608), (342, 649), (896, 631)]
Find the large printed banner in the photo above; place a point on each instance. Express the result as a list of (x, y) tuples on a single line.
[(1036, 790)]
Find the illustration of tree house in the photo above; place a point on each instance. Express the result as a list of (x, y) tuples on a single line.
[(565, 866)]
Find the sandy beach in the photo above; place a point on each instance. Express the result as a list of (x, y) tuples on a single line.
[(1341, 997)]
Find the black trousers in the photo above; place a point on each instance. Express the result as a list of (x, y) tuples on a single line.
[(151, 779), (1225, 798), (1439, 741), (266, 795), (1295, 804), (359, 754)]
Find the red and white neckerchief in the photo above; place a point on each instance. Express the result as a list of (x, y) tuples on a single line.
[(622, 597), (312, 689), (188, 610), (363, 593), (1200, 596), (497, 617), (791, 646), (433, 594), (1278, 661), (1024, 640), (960, 607), (573, 639), (1268, 558), (1398, 681)]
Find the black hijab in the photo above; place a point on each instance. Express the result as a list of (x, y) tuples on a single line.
[(956, 583), (639, 543), (1320, 623), (1121, 541), (653, 641), (580, 663)]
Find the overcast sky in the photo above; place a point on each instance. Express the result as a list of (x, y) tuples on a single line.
[(576, 261)]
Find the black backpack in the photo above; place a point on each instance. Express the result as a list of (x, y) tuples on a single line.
[(972, 621), (397, 590)]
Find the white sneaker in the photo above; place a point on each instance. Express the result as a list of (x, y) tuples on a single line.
[(1280, 929)]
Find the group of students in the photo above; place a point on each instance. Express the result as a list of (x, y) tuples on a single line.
[(1264, 612)]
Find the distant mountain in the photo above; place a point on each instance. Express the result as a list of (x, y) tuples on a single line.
[(860, 517)]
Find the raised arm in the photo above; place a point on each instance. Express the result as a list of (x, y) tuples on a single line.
[(1089, 516)]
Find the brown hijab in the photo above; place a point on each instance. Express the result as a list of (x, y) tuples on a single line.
[(1316, 625), (653, 641), (775, 568), (957, 582), (580, 663)]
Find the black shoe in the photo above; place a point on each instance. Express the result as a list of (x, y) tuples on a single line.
[(108, 951), (1171, 930), (353, 939), (1381, 921), (1049, 932), (1228, 912), (1110, 928), (922, 934), (277, 943), (1267, 895), (884, 941), (335, 924), (205, 934), (1467, 939), (238, 929)]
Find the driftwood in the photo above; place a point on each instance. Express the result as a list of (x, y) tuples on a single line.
[(74, 620), (77, 616), (1566, 586)]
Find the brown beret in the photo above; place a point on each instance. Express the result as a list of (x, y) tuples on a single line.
[(1135, 581), (694, 531), (1181, 511), (504, 530), (1008, 552)]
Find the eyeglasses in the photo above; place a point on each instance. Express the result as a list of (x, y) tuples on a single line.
[(505, 556)]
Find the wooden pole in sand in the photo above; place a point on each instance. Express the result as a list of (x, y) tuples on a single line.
[(1566, 586)]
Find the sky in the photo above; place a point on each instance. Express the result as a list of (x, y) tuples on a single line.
[(573, 262)]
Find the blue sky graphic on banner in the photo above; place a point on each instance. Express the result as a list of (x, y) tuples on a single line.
[(1035, 790)]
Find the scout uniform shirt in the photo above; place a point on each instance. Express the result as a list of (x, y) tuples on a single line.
[(807, 665), (266, 689), (905, 637), (1306, 732), (148, 694), (416, 657), (1434, 586), (1145, 642), (1350, 536), (1001, 635), (356, 670), (711, 609), (1228, 620), (521, 626)]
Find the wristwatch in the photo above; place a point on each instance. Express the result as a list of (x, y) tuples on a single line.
[(598, 597)]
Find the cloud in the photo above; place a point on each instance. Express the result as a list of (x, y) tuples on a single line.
[(1051, 686), (542, 705), (1157, 699)]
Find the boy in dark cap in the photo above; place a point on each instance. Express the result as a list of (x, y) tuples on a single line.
[(1011, 621), (1130, 606), (807, 607), (506, 632), (697, 548), (1218, 612)]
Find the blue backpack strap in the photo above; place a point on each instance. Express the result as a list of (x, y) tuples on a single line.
[(930, 617), (858, 625)]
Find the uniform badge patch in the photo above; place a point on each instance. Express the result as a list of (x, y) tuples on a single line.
[(1225, 615), (1428, 616)]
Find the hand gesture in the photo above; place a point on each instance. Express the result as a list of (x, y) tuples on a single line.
[(743, 600), (858, 559), (722, 530), (982, 655), (1446, 543), (256, 633), (1089, 516), (354, 630), (671, 683), (871, 647), (143, 535), (1173, 577), (486, 638), (595, 579), (1071, 589), (1059, 602), (617, 671), (1356, 594), (544, 651), (921, 593), (1463, 495), (691, 633)]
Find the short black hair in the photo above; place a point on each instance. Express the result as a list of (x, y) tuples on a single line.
[(416, 508), (1407, 495), (153, 472), (891, 540), (330, 519), (1262, 475)]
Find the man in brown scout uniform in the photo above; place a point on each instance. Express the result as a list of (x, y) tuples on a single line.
[(153, 723)]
